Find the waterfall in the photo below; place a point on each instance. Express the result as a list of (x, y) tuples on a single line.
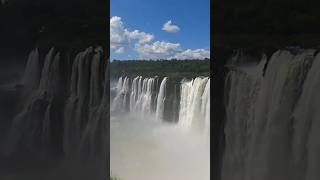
[(306, 127), (135, 90), (84, 102), (32, 73), (122, 89), (139, 97), (161, 98), (94, 138), (269, 112), (205, 108), (96, 79), (46, 70), (56, 119), (191, 113), (151, 128), (77, 104), (35, 113), (147, 97)]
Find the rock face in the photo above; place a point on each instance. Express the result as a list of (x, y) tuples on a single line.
[(65, 111)]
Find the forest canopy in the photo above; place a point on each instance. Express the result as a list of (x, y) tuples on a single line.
[(170, 68)]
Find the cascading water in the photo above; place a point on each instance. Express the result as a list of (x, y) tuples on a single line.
[(205, 108), (71, 122), (32, 72), (145, 98), (139, 98), (144, 145), (306, 127), (193, 103), (135, 91), (119, 102), (269, 112), (83, 101), (160, 99)]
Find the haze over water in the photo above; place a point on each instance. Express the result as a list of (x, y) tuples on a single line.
[(144, 147)]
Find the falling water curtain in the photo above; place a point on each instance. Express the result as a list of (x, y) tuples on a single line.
[(264, 91), (54, 89)]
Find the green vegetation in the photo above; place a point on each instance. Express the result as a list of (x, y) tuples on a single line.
[(170, 68)]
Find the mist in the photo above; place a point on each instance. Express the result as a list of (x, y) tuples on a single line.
[(144, 147), (148, 149)]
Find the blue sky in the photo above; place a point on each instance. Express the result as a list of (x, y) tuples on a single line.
[(138, 29)]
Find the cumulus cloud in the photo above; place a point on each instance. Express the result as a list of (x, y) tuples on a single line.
[(120, 50), (157, 50), (141, 36), (169, 27), (120, 36), (192, 54)]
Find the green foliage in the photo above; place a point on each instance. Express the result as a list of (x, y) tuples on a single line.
[(170, 68)]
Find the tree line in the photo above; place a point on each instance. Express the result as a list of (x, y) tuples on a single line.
[(170, 68)]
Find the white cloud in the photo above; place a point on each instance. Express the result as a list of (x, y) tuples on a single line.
[(192, 54), (169, 27), (120, 36), (157, 50), (120, 50), (141, 36)]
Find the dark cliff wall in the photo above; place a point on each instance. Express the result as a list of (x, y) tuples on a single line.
[(218, 73)]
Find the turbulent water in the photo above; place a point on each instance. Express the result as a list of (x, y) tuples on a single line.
[(146, 143), (272, 121), (64, 110)]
